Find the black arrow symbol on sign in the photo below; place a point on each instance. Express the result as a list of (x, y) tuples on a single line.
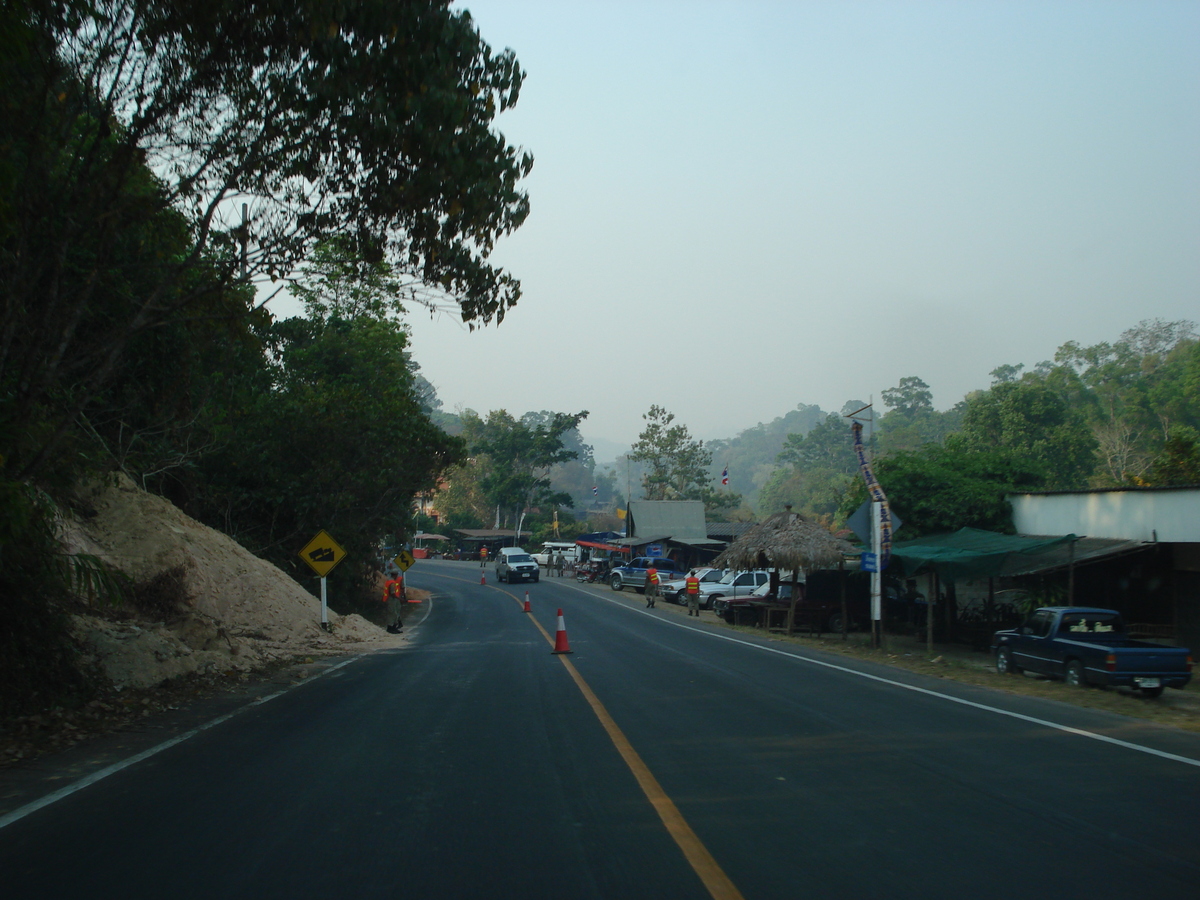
[(322, 554)]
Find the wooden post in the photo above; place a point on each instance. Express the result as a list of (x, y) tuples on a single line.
[(1071, 574), (932, 602), (842, 581), (791, 616)]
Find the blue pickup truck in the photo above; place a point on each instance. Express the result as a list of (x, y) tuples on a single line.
[(1089, 646), (633, 573)]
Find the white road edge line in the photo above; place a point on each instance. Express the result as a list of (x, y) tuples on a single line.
[(1141, 748), (61, 793)]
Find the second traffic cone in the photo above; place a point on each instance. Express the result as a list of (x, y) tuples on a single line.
[(482, 578), (560, 637), (526, 609)]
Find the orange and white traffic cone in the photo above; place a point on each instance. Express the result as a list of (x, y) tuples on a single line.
[(560, 636), (482, 578), (527, 609)]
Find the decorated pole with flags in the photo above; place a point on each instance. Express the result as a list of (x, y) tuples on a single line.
[(881, 533), (725, 476)]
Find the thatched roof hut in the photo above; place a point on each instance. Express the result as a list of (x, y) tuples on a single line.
[(785, 541)]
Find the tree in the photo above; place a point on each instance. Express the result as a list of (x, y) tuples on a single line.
[(1179, 461), (910, 396), (816, 470), (1132, 392), (828, 446), (514, 458), (943, 488), (1033, 423), (332, 435), (912, 422), (363, 117), (575, 476), (677, 465)]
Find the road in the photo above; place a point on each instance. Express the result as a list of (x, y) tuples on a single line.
[(662, 758)]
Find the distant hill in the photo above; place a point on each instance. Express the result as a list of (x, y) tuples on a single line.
[(750, 456), (606, 452)]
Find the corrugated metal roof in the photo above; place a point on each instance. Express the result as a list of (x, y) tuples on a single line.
[(682, 520), (634, 541), (728, 530), (485, 533), (1085, 550)]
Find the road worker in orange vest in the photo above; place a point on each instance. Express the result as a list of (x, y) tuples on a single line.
[(651, 587), (393, 596), (693, 593)]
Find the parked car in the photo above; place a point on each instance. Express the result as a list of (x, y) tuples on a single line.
[(633, 573), (1084, 645), (732, 584), (514, 564), (676, 589)]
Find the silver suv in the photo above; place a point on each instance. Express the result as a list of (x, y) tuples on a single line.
[(514, 564)]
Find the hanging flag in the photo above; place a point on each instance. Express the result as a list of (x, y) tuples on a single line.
[(725, 476), (595, 490)]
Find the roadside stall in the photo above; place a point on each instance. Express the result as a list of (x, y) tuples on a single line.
[(419, 550), (786, 542), (596, 555)]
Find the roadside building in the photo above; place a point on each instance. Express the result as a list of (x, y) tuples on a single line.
[(1151, 570), (669, 528)]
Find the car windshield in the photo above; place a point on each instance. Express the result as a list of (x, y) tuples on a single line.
[(519, 557)]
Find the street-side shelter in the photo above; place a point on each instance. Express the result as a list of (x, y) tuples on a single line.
[(1165, 521)]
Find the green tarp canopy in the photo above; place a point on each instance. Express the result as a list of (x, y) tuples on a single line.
[(967, 553)]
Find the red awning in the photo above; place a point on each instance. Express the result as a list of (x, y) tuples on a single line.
[(613, 547)]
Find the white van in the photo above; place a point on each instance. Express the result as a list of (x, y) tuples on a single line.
[(569, 551), (514, 564)]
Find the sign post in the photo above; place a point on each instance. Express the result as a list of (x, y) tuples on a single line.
[(322, 553), (876, 575)]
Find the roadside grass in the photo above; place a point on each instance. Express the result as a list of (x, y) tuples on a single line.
[(957, 662)]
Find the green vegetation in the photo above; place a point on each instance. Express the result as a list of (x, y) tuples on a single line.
[(162, 166), (678, 467), (1121, 413)]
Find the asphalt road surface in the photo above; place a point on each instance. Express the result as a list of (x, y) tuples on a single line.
[(661, 758)]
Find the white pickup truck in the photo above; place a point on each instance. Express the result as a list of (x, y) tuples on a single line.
[(570, 553)]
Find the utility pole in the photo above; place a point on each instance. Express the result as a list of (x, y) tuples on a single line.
[(881, 526)]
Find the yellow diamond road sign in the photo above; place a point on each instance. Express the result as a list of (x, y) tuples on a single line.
[(322, 553), (404, 559)]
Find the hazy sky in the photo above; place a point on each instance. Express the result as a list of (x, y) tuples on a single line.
[(739, 207)]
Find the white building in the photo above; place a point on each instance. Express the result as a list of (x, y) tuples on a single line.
[(1166, 519)]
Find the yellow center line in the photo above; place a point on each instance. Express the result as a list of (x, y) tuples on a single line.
[(702, 862), (710, 872)]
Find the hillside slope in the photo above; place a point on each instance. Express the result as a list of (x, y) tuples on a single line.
[(223, 609)]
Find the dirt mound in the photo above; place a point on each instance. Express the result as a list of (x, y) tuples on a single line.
[(229, 610)]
